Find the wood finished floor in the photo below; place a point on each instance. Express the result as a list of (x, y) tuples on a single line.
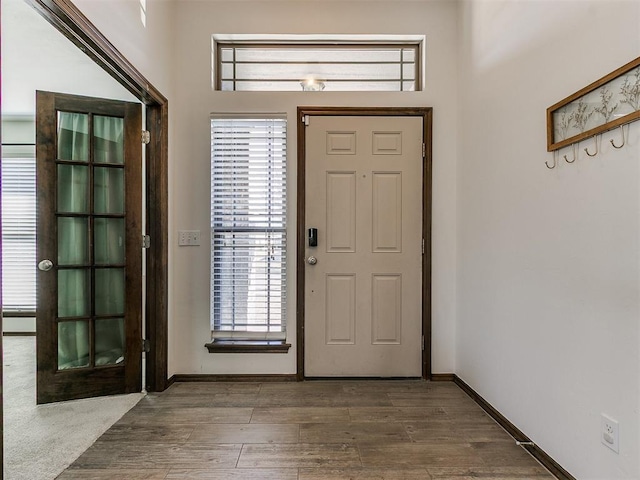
[(321, 430)]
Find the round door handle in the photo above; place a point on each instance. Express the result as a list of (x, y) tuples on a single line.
[(312, 260), (45, 265)]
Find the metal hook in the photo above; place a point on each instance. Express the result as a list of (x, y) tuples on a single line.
[(573, 147), (622, 132), (587, 150), (555, 161)]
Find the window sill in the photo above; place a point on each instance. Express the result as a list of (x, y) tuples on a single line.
[(228, 345)]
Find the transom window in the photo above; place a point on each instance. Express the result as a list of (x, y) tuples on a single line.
[(248, 226), (302, 66)]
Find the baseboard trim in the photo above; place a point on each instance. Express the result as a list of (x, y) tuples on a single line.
[(443, 377), (18, 334), (187, 377), (549, 463), (358, 379)]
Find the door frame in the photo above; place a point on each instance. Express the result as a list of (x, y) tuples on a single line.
[(65, 17), (427, 115)]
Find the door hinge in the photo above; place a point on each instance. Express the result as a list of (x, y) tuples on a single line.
[(423, 342), (423, 246), (424, 150), (146, 137), (146, 241), (146, 345), (305, 120)]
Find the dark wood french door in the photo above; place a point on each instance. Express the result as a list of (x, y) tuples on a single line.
[(89, 282)]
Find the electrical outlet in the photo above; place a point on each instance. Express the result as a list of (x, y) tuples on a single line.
[(188, 237), (609, 433)]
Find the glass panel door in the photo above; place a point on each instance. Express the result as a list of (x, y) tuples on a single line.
[(89, 230)]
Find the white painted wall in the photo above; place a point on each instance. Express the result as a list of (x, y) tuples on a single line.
[(190, 171), (148, 46), (549, 260), (35, 56)]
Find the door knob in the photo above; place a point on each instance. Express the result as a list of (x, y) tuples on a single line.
[(312, 260), (45, 265)]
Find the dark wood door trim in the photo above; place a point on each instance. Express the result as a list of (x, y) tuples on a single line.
[(427, 114), (67, 19), (157, 295), (72, 23)]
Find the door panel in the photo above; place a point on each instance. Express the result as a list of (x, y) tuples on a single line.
[(363, 297), (341, 211), (340, 315), (89, 319), (386, 314)]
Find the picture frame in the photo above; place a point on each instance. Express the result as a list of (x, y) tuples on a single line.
[(607, 103)]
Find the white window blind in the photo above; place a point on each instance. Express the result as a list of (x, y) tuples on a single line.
[(18, 228), (248, 226)]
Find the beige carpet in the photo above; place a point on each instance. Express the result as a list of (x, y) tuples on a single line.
[(41, 441)]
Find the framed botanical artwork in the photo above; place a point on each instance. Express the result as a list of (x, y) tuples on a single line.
[(612, 101)]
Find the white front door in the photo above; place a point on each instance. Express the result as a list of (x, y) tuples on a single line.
[(363, 301)]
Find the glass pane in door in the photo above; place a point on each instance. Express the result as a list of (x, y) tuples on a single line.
[(73, 344), (109, 296), (109, 341), (73, 241), (74, 291), (108, 139), (73, 188), (108, 190), (108, 240), (73, 136)]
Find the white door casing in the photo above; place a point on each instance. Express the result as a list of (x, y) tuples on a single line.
[(363, 300)]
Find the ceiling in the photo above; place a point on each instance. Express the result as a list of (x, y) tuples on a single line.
[(35, 56)]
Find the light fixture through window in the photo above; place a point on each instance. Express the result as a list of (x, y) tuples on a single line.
[(312, 85)]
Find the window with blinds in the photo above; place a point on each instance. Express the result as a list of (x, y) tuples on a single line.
[(248, 226), (337, 66), (18, 229)]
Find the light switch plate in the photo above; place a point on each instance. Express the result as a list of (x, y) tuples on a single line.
[(188, 237)]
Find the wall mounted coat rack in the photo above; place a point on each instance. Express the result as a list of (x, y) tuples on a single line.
[(610, 102)]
